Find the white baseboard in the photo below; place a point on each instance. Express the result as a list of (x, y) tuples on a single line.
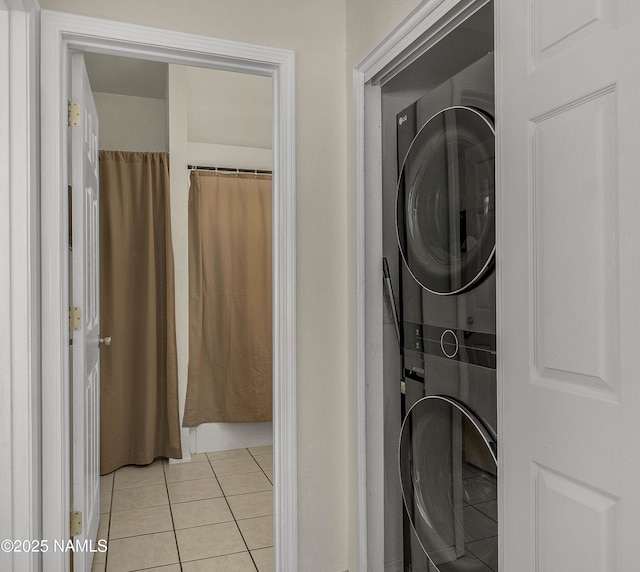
[(223, 436), (186, 458)]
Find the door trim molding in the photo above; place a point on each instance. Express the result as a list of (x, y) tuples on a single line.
[(20, 479), (424, 27), (64, 32)]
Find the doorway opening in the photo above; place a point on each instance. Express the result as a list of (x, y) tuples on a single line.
[(62, 33), (411, 40), (197, 116)]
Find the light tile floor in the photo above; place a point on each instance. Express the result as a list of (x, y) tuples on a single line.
[(214, 514)]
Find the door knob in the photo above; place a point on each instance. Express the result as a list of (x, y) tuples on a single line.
[(106, 341)]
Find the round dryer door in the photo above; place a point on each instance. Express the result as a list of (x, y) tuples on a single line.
[(448, 471), (445, 207)]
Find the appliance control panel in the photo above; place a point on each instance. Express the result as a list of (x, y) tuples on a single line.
[(477, 348)]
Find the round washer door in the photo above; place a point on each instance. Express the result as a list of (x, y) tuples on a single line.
[(445, 207), (448, 471)]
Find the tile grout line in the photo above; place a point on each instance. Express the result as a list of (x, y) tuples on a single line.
[(202, 559), (106, 556), (173, 524), (215, 476), (272, 512), (166, 486), (271, 481), (235, 520), (259, 465)]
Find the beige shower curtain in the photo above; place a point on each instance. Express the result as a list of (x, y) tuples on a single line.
[(230, 353), (139, 417)]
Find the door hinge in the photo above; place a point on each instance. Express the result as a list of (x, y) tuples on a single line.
[(75, 526), (75, 318), (73, 119)]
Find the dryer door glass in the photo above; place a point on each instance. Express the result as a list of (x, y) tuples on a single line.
[(448, 471), (445, 208)]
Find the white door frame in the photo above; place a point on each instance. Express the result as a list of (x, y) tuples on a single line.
[(19, 281), (64, 32), (423, 28)]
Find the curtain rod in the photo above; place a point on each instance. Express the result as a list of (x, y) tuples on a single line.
[(228, 170)]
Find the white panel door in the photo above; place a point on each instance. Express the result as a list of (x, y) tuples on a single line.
[(569, 277), (85, 295)]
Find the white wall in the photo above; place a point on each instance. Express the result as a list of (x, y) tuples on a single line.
[(129, 123), (208, 110)]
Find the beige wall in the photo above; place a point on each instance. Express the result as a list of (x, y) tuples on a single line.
[(368, 23), (129, 123), (371, 21), (228, 108), (329, 38), (316, 32)]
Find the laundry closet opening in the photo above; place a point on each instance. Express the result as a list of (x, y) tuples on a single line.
[(439, 331), (185, 298)]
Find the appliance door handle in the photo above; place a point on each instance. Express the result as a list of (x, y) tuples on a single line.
[(392, 300)]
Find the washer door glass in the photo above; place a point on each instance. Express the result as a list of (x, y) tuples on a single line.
[(445, 207), (448, 471)]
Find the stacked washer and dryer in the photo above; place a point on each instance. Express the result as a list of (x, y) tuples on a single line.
[(445, 221)]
